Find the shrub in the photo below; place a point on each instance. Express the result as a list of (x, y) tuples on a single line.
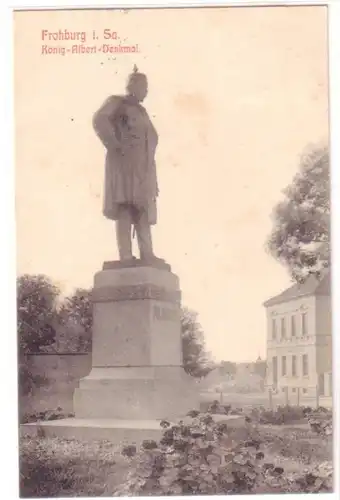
[(217, 408), (321, 422), (194, 457), (57, 414), (201, 456), (281, 415), (318, 480)]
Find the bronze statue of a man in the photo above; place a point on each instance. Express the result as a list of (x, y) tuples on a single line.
[(131, 188)]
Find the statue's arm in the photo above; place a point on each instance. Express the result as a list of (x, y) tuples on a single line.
[(153, 143), (154, 147), (102, 122)]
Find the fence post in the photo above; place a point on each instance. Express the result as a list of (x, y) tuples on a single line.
[(270, 392), (221, 397), (286, 396), (298, 396)]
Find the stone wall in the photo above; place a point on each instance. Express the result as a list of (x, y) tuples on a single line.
[(59, 375)]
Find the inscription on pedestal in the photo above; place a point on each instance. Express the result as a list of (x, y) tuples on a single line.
[(135, 292), (165, 314)]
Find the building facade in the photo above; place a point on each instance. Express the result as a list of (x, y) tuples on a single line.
[(299, 343)]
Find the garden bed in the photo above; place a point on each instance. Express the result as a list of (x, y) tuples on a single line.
[(197, 456)]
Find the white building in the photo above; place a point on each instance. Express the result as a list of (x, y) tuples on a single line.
[(299, 343)]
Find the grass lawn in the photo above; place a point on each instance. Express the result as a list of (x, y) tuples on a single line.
[(296, 447), (52, 467)]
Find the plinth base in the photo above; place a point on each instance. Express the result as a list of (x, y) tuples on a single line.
[(137, 371), (140, 393), (155, 263), (118, 432)]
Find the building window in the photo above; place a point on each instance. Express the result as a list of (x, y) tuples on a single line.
[(275, 377), (304, 391), (274, 329), (321, 385), (294, 370), (304, 364), (293, 326), (304, 326), (293, 389), (284, 366), (283, 328)]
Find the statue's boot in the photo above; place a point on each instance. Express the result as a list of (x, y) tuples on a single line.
[(144, 237)]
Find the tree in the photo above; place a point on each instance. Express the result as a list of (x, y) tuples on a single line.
[(36, 312), (227, 368), (196, 360), (260, 367), (76, 322), (300, 238)]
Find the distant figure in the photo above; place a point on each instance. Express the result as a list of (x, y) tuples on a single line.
[(131, 187)]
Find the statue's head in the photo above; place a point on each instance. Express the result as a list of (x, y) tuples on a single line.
[(137, 85)]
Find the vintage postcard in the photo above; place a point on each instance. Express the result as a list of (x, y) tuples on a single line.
[(173, 251)]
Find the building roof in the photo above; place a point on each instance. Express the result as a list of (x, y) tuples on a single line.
[(312, 286)]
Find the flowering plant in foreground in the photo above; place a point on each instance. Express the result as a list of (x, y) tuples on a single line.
[(200, 456)]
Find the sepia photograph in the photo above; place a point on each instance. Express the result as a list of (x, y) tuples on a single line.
[(173, 251)]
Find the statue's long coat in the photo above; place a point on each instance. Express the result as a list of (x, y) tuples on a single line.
[(126, 131)]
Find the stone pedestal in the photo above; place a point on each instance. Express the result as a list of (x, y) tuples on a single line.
[(137, 378), (137, 368)]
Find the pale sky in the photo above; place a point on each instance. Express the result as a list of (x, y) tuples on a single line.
[(236, 95)]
